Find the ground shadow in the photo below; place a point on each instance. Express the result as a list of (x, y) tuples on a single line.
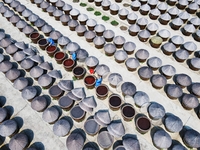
[(80, 131), (19, 122), (2, 101), (175, 142), (2, 139), (10, 111), (5, 147), (117, 143), (38, 145), (91, 145), (29, 133), (69, 119)]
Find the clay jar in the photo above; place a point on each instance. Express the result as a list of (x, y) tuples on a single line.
[(69, 64), (34, 36), (102, 91), (79, 72), (90, 81), (143, 124), (128, 112), (51, 50), (59, 57), (43, 43), (115, 102)]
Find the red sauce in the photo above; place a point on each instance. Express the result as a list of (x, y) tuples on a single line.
[(59, 55), (89, 80)]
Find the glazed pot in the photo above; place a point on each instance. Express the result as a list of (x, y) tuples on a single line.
[(128, 112), (43, 43), (69, 64), (59, 57), (143, 124), (115, 102), (102, 91), (51, 50), (34, 36), (79, 72), (90, 81)]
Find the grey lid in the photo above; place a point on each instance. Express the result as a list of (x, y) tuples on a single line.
[(72, 47), (154, 62), (89, 34), (1, 57), (141, 98), (14, 19), (67, 7), (36, 58), (60, 3), (129, 46), (80, 29), (152, 27), (74, 12), (39, 103), (135, 3), (28, 29), (164, 33), (63, 40), (131, 143), (53, 1), (90, 102), (26, 13), (3, 114), (145, 72), (156, 110), (57, 13), (21, 45), (75, 141), (51, 8), (190, 46), (5, 42), (65, 18), (173, 11), (46, 66), (91, 61), (5, 66), (21, 24), (61, 127), (39, 22), (165, 17), (119, 40), (104, 139), (85, 108), (169, 47), (20, 8), (120, 55), (66, 85), (159, 80), (20, 83), (153, 2), (12, 74), (55, 35), (45, 80), (19, 56), (8, 127), (115, 78), (65, 102), (142, 21), (144, 34), (182, 54), (123, 12), (174, 91), (79, 92), (82, 17), (192, 138), (18, 142), (142, 54), (29, 92), (105, 3), (162, 6), (168, 70), (8, 13), (190, 101), (36, 72), (132, 63), (55, 74), (102, 117), (2, 35), (102, 69), (184, 15), (33, 17), (195, 62), (193, 6), (183, 79), (110, 48), (50, 115), (38, 1), (11, 49), (14, 4), (26, 63), (128, 88), (173, 123), (81, 54), (44, 4), (91, 22), (145, 7), (195, 21), (108, 34), (46, 28), (162, 139), (91, 126), (183, 2), (72, 96), (114, 7), (116, 128), (100, 28), (132, 16), (189, 28), (155, 12), (3, 9), (196, 88)]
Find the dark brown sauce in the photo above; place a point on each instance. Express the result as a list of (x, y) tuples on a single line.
[(128, 111), (102, 90), (143, 123), (78, 70), (115, 101)]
